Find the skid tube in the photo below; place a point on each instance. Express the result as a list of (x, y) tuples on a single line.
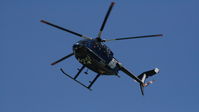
[(75, 78)]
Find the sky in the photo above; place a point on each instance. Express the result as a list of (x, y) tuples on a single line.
[(28, 83)]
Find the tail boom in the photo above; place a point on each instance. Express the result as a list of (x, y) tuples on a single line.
[(142, 77)]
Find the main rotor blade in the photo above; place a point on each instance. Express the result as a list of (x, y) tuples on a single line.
[(62, 59), (145, 36), (64, 29), (105, 19)]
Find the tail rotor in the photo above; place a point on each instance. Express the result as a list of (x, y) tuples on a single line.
[(144, 76)]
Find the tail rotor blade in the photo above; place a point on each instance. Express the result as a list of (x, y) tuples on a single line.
[(105, 19), (64, 29), (148, 83), (145, 36), (62, 59)]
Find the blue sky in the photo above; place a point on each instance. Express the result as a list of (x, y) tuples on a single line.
[(29, 84)]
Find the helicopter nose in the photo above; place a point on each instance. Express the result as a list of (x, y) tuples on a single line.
[(77, 46), (79, 50)]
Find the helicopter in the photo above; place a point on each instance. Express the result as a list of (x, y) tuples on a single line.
[(93, 54)]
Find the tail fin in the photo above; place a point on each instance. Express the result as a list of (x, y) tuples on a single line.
[(144, 76)]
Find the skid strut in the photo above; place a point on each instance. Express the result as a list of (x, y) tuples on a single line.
[(91, 83), (79, 72), (75, 78)]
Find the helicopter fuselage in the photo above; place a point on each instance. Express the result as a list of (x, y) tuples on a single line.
[(96, 56)]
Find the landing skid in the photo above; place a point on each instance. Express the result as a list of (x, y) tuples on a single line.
[(75, 78)]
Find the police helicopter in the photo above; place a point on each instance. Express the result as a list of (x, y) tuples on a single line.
[(93, 54)]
